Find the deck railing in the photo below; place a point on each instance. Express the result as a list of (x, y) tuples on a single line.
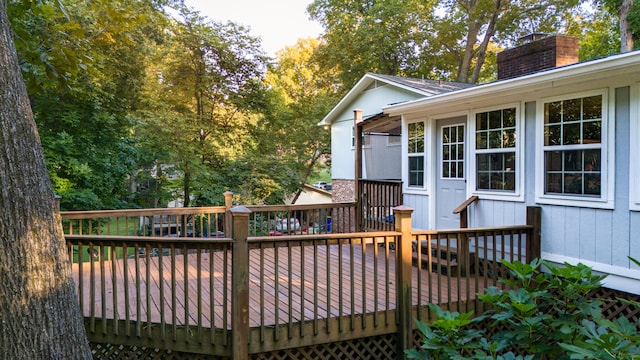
[(196, 222), (377, 200), (234, 297)]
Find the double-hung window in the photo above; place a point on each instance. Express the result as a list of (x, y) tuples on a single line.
[(496, 151), (574, 148), (416, 154)]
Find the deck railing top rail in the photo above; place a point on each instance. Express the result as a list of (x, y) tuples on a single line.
[(92, 214), (472, 230)]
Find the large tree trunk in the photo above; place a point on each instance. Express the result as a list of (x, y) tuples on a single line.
[(39, 312), (626, 33)]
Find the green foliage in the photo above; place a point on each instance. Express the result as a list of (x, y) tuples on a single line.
[(446, 337), (543, 314)]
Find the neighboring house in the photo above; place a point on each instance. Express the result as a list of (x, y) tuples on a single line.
[(311, 195), (561, 137), (381, 150)]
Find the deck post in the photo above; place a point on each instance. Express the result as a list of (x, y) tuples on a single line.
[(240, 284), (404, 305), (228, 202), (534, 218), (357, 144)]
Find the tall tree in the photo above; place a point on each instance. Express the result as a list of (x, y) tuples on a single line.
[(381, 36), (463, 30), (450, 39), (628, 14), (205, 92), (40, 316), (301, 93), (84, 64)]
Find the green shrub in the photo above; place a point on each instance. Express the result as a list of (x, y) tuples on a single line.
[(541, 315)]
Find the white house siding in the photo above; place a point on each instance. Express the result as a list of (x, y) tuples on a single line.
[(371, 103), (487, 213), (420, 206)]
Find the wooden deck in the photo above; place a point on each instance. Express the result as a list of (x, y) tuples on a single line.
[(286, 285)]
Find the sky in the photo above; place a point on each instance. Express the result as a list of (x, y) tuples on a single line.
[(278, 23)]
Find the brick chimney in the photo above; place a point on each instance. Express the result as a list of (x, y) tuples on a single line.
[(538, 52)]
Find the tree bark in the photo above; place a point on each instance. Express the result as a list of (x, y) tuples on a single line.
[(626, 34), (40, 316)]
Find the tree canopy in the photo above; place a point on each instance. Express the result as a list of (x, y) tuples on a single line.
[(141, 102)]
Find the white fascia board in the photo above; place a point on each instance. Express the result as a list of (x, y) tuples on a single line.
[(625, 64), (357, 89)]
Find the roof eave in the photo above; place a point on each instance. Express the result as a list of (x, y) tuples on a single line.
[(575, 72)]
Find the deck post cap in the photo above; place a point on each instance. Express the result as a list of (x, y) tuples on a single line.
[(240, 210)]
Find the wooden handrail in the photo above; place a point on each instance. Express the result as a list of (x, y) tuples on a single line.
[(466, 204)]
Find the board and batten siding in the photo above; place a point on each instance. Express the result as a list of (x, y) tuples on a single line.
[(600, 238), (420, 205)]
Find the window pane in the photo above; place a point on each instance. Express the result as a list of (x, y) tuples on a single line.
[(454, 134), (445, 135), (482, 162), (592, 184), (460, 151), (416, 171), (552, 112), (481, 121), (591, 132), (572, 183), (509, 117), (481, 140), (553, 183), (453, 170), (552, 135), (592, 160), (460, 170), (461, 133), (495, 119), (510, 161), (445, 169), (572, 160), (571, 110), (592, 107), (510, 181), (495, 139), (445, 152), (509, 138), (496, 181), (571, 134), (553, 161), (483, 181)]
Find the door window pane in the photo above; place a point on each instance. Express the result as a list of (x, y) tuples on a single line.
[(452, 152)]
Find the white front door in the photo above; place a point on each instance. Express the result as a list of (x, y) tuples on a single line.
[(450, 171)]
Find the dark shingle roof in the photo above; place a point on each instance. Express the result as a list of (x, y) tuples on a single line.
[(433, 87)]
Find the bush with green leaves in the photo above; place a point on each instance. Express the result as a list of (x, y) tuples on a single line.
[(539, 315)]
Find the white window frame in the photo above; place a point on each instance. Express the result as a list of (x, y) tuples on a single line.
[(424, 154), (606, 199), (518, 193), (634, 148)]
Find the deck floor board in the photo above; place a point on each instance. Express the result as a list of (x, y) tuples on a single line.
[(338, 286)]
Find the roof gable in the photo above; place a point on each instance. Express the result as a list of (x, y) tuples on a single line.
[(419, 87)]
